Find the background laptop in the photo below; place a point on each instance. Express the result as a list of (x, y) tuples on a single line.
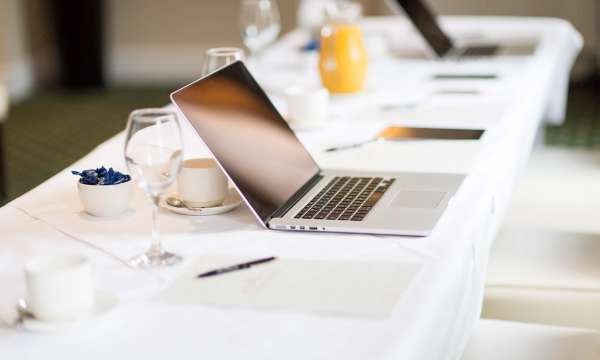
[(425, 21), (282, 184)]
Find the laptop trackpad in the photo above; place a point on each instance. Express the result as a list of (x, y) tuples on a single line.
[(418, 199)]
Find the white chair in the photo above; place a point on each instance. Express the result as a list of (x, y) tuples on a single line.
[(550, 276), (504, 340), (544, 277)]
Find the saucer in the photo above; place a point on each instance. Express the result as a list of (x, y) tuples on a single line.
[(232, 201), (105, 303)]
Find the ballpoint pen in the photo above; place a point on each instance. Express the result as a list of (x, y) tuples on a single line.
[(236, 267)]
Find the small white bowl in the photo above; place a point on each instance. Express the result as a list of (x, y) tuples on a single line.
[(105, 200)]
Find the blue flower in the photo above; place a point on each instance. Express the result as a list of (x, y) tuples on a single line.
[(101, 176)]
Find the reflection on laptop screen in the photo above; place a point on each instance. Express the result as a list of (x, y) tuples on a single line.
[(424, 20), (249, 138)]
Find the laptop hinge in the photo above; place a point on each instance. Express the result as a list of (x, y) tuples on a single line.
[(281, 211)]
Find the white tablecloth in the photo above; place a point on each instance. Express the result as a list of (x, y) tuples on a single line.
[(434, 318)]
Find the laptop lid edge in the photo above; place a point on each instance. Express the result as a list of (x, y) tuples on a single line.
[(264, 222)]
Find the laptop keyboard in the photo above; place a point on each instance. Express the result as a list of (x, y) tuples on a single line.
[(346, 198)]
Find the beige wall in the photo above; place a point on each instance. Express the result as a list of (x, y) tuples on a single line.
[(165, 41), (11, 27), (15, 63)]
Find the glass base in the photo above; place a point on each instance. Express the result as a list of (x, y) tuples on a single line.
[(155, 259)]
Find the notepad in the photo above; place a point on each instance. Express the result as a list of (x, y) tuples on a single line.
[(348, 287)]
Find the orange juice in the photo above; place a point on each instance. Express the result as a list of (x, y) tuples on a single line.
[(343, 59)]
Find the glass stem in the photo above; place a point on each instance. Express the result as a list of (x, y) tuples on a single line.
[(155, 245)]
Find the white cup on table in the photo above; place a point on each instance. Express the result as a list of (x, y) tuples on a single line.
[(201, 183), (307, 105), (59, 287)]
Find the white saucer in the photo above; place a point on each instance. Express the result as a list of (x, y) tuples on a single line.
[(232, 201), (105, 303)]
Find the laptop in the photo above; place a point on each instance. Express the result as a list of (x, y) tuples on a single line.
[(443, 46), (280, 181)]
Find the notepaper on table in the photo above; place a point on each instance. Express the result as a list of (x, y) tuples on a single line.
[(349, 287)]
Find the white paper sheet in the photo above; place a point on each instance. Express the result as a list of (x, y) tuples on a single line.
[(350, 287)]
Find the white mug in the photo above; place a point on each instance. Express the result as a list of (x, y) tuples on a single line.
[(201, 183), (307, 105), (59, 287)]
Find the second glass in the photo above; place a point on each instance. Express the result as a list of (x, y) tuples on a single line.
[(217, 58), (259, 24)]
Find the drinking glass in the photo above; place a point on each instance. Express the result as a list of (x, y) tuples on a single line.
[(259, 24), (217, 58), (153, 154)]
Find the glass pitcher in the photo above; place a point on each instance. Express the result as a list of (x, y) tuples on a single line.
[(343, 58)]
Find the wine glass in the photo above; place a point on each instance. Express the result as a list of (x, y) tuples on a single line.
[(259, 24), (217, 58), (153, 154)]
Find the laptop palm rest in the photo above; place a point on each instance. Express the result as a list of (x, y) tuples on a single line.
[(418, 199)]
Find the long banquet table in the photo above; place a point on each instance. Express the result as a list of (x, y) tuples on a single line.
[(435, 316)]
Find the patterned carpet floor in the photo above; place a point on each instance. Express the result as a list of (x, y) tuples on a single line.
[(52, 129), (582, 126)]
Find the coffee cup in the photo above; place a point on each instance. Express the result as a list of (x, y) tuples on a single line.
[(59, 287), (201, 183), (307, 105)]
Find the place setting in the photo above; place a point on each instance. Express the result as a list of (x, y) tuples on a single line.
[(61, 296)]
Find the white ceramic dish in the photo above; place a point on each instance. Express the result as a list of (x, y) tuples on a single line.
[(59, 287), (232, 201), (105, 200), (105, 303)]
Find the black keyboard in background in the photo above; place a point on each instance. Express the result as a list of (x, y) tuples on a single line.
[(345, 198)]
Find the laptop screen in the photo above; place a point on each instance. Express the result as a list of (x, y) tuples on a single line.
[(248, 137), (424, 20)]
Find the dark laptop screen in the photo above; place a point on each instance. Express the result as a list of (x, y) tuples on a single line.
[(248, 137), (424, 20)]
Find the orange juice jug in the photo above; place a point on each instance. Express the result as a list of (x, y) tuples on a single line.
[(343, 59)]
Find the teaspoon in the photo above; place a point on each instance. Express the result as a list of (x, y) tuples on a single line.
[(175, 202)]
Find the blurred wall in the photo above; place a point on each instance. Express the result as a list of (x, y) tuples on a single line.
[(16, 70), (144, 37), (165, 41)]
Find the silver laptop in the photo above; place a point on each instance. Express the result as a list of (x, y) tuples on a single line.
[(282, 184), (425, 21)]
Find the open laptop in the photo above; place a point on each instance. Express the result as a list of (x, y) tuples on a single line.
[(425, 21), (282, 184)]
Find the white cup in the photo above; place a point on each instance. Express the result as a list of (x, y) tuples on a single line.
[(306, 105), (59, 287), (201, 183)]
